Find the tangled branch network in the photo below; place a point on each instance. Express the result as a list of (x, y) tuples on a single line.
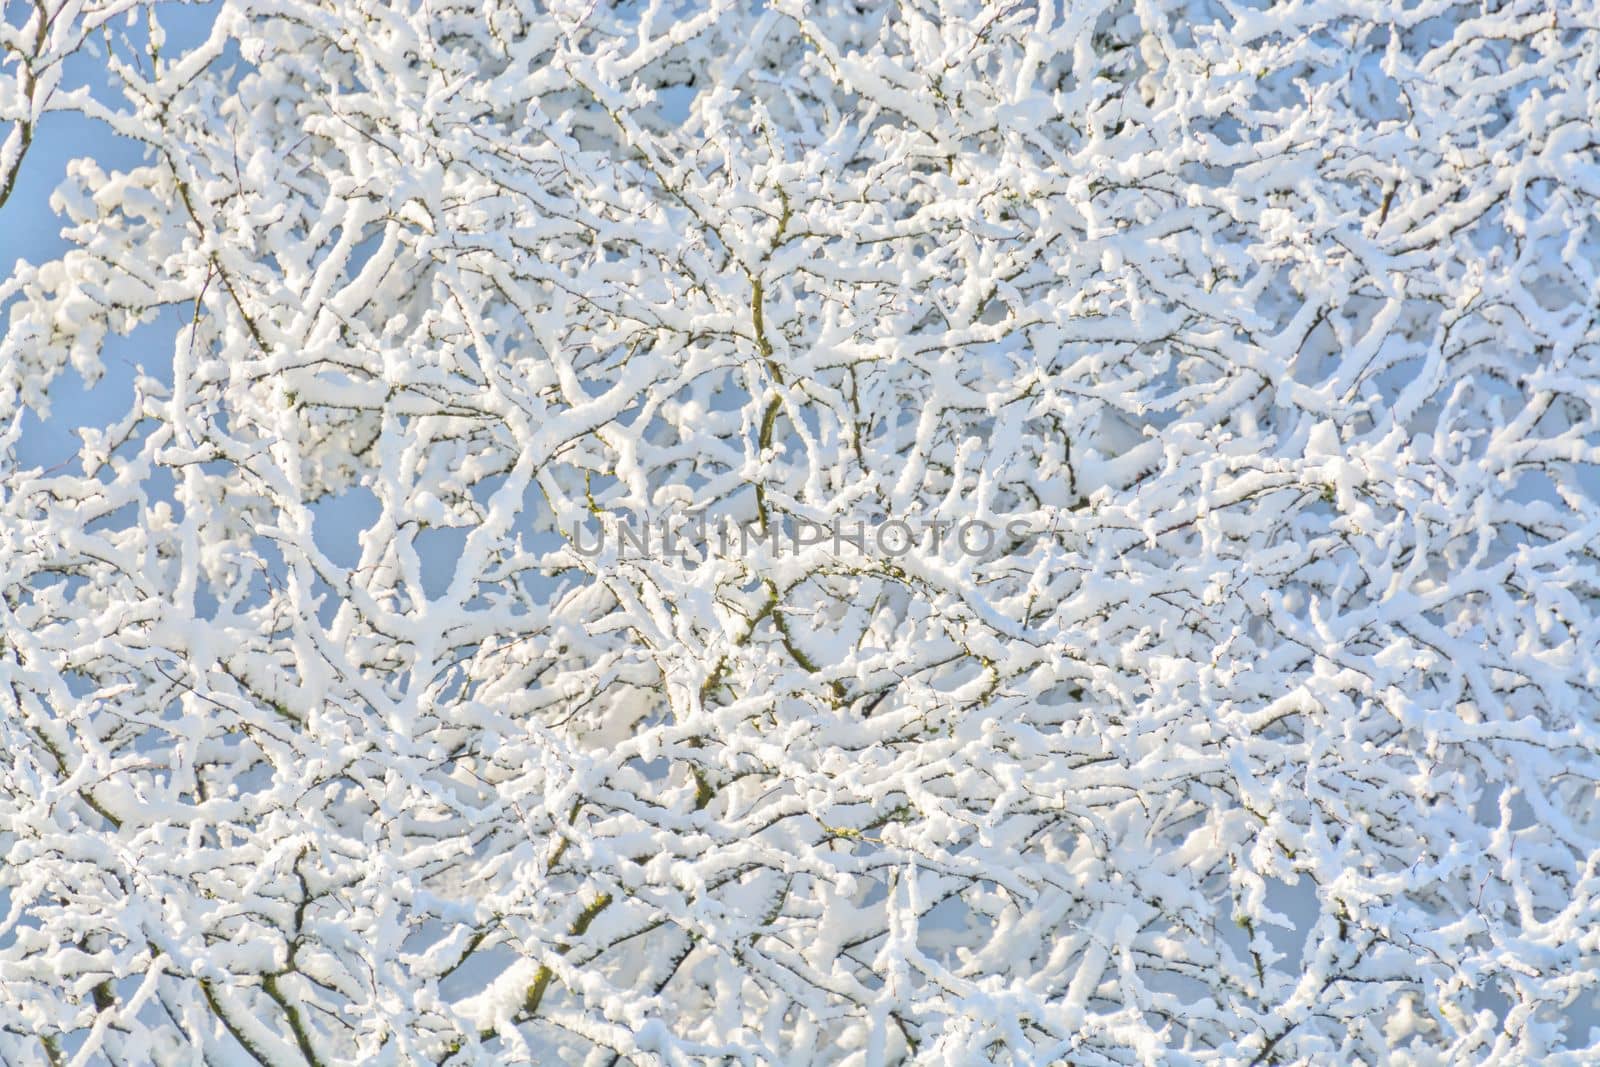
[(1260, 334)]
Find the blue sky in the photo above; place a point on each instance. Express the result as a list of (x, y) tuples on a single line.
[(30, 231)]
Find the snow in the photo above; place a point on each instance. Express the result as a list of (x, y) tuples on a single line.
[(1263, 729)]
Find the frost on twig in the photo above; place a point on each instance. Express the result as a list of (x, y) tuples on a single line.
[(1265, 734)]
